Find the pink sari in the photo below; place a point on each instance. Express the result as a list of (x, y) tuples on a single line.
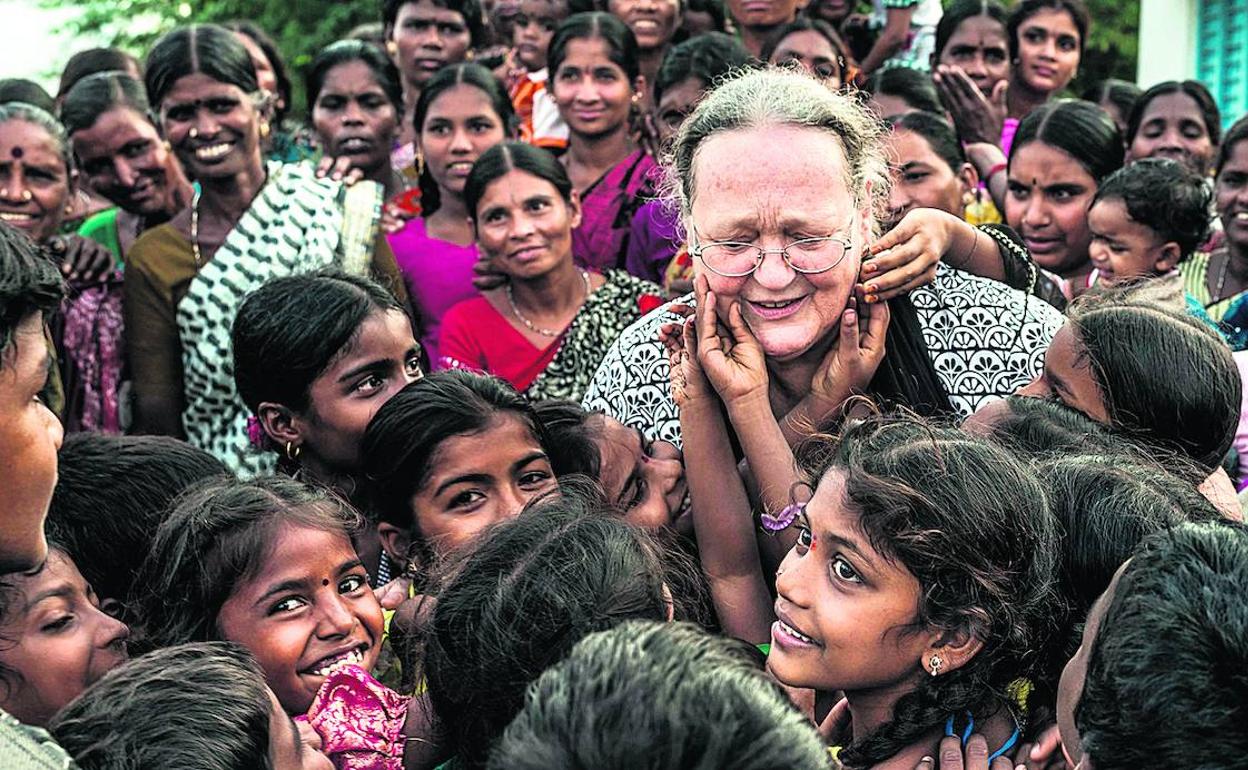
[(360, 721), (607, 209)]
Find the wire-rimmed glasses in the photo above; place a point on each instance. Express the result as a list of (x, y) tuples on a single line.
[(732, 259)]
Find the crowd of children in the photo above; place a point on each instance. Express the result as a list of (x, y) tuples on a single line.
[(637, 384)]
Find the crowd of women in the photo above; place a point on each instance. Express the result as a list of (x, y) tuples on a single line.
[(653, 385)]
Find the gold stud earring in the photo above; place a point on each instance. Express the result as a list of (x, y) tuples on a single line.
[(420, 164), (265, 130), (193, 133)]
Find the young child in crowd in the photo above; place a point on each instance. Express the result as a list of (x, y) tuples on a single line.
[(201, 706), (708, 690), (54, 638), (269, 564), (540, 122)]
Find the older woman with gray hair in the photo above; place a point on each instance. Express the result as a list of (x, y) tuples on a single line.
[(780, 184)]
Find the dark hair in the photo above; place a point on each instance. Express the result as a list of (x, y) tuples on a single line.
[(216, 535), (937, 131), (195, 707), (288, 331), (1237, 133), (29, 283), (97, 94), (45, 120), (92, 61), (658, 695), (596, 25), (1165, 197), (1171, 699), (1167, 379), (198, 48), (513, 156), (466, 74), (567, 566), (28, 91), (808, 24), (284, 88), (111, 495), (1192, 88), (706, 57), (1080, 129), (1028, 8), (1041, 427), (912, 86), (346, 51), (1119, 93), (571, 441), (12, 595), (469, 9), (402, 439), (961, 10), (970, 523)]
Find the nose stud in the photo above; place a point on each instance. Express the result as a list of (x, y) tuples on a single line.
[(194, 133)]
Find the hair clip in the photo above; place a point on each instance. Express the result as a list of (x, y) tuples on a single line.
[(782, 520)]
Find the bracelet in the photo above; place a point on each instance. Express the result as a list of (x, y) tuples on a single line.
[(967, 258), (997, 169)]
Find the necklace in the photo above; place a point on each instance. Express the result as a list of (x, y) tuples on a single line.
[(511, 300), (199, 261)]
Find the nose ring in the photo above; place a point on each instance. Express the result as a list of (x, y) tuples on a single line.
[(194, 133), (27, 196)]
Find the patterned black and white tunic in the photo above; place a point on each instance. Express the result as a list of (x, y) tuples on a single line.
[(985, 340)]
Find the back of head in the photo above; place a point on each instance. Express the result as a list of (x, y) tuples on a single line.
[(1080, 129), (1164, 196), (193, 707), (1195, 90), (112, 494), (1040, 427), (1120, 93), (1168, 380), (531, 589), (914, 87), (707, 57), (28, 91), (96, 94), (216, 535), (29, 283), (658, 696), (92, 61), (206, 49), (937, 131), (570, 444), (1172, 698)]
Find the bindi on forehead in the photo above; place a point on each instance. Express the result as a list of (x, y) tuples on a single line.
[(17, 153)]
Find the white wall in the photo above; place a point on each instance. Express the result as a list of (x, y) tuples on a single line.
[(1167, 41)]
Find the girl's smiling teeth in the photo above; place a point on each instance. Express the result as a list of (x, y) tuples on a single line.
[(324, 666)]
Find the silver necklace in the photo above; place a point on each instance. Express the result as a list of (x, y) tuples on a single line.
[(195, 230), (511, 300)]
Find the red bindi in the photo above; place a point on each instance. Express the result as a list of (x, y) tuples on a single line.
[(324, 582), (17, 152)]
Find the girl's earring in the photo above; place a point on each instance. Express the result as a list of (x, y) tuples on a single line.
[(265, 130), (420, 163), (292, 451), (392, 47), (936, 663)]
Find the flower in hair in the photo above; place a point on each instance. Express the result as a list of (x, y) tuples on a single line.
[(255, 432)]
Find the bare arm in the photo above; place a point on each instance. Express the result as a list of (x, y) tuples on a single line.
[(891, 39)]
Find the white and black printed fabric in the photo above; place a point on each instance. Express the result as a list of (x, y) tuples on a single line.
[(985, 340), (297, 224)]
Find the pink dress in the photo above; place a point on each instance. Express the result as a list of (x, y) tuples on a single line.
[(360, 721), (438, 275)]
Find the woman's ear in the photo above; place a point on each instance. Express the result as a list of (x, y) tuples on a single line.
[(969, 178), (574, 209), (280, 424), (950, 651), (395, 541), (1167, 258)]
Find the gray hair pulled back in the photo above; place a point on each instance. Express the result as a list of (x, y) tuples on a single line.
[(756, 98)]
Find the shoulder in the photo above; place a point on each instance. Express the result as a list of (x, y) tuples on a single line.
[(157, 247), (30, 748)]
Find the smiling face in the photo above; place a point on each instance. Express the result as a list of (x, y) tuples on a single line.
[(477, 480), (214, 128), (1231, 195), (30, 436), (1048, 51), (1047, 203), (653, 22), (979, 46), (354, 118), (56, 639), (381, 359), (793, 188), (813, 53), (307, 608), (592, 92), (1173, 127), (535, 26), (34, 181), (460, 125), (1122, 248), (427, 37), (524, 225), (921, 178), (122, 158), (845, 612), (1067, 377), (645, 478)]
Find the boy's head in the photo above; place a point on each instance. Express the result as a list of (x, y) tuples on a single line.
[(703, 703), (112, 494), (1146, 218), (30, 434), (1163, 656), (533, 28), (200, 706)]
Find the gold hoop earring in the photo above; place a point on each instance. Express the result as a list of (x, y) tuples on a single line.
[(292, 451)]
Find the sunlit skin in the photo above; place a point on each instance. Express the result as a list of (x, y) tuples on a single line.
[(922, 179), (1048, 51), (979, 47), (1173, 127), (308, 605), (645, 478), (354, 118), (57, 641), (34, 180), (1122, 248), (813, 53), (30, 436), (122, 157), (214, 129), (525, 227), (592, 92), (1047, 201), (653, 22), (1067, 377)]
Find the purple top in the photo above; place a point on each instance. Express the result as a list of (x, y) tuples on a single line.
[(607, 209), (438, 275), (654, 238)]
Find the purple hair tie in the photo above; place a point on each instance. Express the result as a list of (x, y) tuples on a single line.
[(782, 520), (255, 433)]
